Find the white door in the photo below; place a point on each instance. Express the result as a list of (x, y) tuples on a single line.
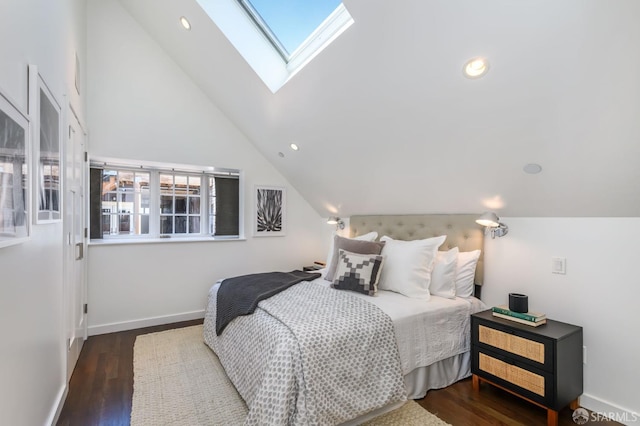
[(75, 241)]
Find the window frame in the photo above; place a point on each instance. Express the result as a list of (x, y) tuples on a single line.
[(266, 30), (203, 196), (330, 28), (118, 200), (155, 170)]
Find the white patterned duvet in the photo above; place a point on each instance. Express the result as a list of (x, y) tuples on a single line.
[(310, 355)]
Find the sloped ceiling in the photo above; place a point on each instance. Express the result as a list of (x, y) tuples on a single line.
[(386, 123)]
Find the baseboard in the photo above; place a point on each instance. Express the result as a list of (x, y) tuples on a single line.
[(145, 322), (602, 409), (54, 415)]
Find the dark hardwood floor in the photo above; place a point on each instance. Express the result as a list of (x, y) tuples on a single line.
[(458, 404), (102, 384)]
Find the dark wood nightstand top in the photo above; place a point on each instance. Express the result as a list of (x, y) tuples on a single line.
[(552, 329), (312, 268)]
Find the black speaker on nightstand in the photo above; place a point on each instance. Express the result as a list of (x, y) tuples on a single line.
[(518, 302)]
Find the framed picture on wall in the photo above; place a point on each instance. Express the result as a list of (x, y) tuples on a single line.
[(46, 118), (14, 173), (270, 211)]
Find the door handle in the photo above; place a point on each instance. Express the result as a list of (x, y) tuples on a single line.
[(79, 251)]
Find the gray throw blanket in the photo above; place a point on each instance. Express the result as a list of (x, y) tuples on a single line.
[(241, 295)]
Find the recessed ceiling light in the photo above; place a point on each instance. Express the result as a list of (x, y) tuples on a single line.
[(532, 168), (294, 147), (475, 68), (280, 154), (185, 23)]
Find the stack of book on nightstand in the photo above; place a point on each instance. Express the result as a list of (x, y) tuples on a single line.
[(533, 319)]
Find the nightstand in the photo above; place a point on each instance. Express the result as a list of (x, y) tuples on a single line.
[(542, 365), (311, 268)]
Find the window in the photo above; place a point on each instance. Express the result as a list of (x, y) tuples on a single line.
[(125, 202), (160, 202), (180, 198), (288, 24), (278, 38)]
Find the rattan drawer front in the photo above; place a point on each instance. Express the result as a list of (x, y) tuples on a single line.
[(508, 342), (512, 374)]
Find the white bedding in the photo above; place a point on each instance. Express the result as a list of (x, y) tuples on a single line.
[(309, 355), (426, 331), (429, 333)]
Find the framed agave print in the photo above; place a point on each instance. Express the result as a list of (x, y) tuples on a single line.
[(14, 173), (270, 211), (46, 116)]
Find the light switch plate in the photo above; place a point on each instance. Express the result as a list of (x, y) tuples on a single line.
[(558, 265)]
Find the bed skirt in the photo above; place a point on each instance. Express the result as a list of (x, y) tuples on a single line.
[(437, 375), (421, 380)]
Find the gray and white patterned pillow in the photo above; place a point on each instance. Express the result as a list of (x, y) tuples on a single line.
[(358, 272)]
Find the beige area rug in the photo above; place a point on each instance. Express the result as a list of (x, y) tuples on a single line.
[(178, 380)]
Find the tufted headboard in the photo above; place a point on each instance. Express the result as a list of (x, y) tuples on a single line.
[(461, 230)]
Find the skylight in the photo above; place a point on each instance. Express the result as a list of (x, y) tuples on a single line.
[(278, 38), (288, 23)]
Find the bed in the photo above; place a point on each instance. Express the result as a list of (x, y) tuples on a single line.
[(463, 232), (417, 346)]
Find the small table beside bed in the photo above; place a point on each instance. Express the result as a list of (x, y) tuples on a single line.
[(314, 355)]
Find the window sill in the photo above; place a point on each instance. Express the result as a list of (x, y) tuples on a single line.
[(120, 241)]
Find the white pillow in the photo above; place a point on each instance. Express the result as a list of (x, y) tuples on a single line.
[(465, 272), (443, 277), (408, 265), (371, 236)]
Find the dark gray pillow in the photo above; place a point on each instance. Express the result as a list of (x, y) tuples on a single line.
[(354, 246), (358, 272)]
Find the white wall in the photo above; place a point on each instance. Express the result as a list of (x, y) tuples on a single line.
[(32, 352), (141, 105), (599, 292)]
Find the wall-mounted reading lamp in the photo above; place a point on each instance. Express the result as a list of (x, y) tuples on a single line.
[(492, 222), (335, 220)]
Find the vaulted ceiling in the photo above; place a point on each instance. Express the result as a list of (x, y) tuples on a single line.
[(386, 122)]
